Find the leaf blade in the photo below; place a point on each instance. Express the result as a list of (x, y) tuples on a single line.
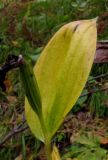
[(63, 68)]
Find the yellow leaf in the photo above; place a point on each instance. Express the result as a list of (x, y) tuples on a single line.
[(33, 121), (20, 157), (15, 43), (55, 154), (62, 71)]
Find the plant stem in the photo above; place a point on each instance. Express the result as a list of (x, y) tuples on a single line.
[(47, 139), (48, 150)]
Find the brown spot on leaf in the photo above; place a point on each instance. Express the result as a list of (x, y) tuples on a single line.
[(76, 27)]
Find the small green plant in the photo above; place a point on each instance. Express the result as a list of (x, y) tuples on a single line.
[(97, 104), (58, 78), (84, 147)]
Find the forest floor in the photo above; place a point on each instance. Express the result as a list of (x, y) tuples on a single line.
[(82, 125)]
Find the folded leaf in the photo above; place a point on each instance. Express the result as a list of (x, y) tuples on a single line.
[(61, 72), (33, 121), (55, 154)]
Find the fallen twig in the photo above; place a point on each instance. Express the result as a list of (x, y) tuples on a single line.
[(93, 91), (11, 134), (97, 77)]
